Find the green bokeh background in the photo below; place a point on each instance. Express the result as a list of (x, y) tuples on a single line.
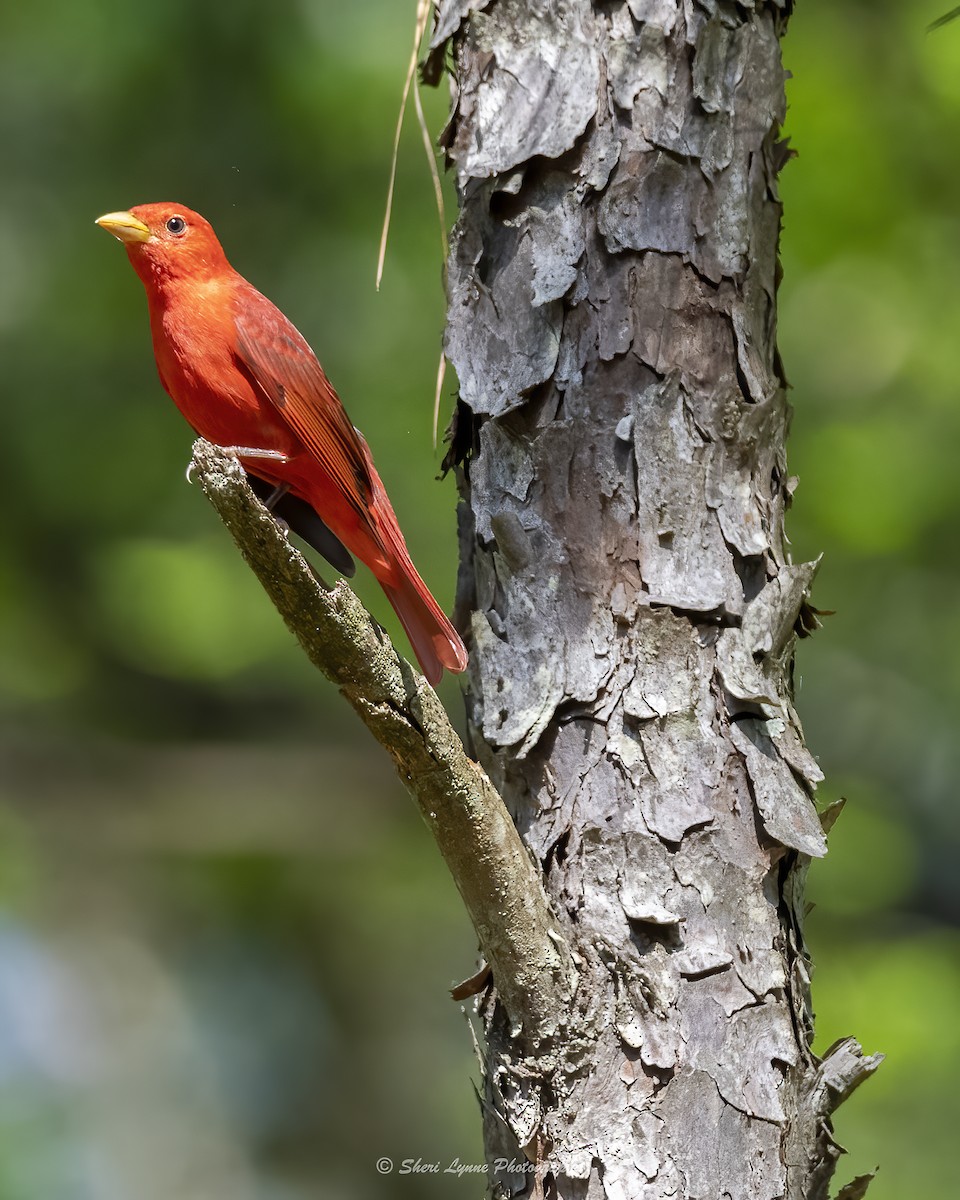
[(225, 937)]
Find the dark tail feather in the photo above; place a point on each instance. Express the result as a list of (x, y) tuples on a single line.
[(305, 523)]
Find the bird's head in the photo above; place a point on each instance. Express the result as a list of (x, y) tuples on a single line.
[(166, 241)]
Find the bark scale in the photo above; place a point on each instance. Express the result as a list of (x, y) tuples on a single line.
[(633, 608)]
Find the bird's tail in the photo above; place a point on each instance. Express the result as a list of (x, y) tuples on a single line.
[(435, 642)]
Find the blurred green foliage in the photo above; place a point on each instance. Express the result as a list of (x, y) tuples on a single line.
[(227, 940), (869, 322)]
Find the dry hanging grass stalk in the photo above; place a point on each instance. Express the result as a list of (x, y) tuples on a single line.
[(944, 20), (423, 13), (441, 371)]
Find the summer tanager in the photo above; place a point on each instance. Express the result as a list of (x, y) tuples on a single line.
[(245, 379)]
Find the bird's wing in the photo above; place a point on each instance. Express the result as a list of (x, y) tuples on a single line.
[(281, 362)]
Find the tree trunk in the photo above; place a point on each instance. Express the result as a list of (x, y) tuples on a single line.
[(612, 320)]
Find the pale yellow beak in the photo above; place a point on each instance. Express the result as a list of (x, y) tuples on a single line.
[(124, 226)]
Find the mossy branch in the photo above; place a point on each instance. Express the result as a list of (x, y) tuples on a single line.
[(499, 882)]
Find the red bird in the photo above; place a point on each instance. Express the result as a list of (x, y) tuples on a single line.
[(245, 379)]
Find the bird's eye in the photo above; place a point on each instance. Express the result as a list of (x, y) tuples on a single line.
[(176, 225)]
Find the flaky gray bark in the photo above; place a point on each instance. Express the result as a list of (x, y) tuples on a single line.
[(612, 320)]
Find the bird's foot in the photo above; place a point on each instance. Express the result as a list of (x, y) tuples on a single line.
[(253, 452), (277, 494)]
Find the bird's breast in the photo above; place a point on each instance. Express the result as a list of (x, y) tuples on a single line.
[(195, 353)]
